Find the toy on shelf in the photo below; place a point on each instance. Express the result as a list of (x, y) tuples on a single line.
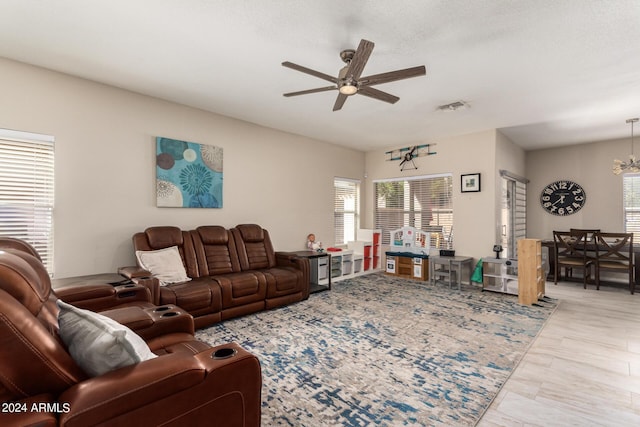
[(411, 240), (312, 245)]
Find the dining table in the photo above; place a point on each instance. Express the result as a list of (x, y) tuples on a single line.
[(591, 247)]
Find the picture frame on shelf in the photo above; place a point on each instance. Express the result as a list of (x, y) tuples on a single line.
[(470, 183)]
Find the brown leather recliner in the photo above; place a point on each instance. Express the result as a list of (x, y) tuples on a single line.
[(233, 272), (201, 296), (243, 292), (95, 296), (42, 385), (287, 275)]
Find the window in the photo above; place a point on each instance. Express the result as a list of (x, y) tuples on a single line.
[(26, 190), (346, 209), (631, 203), (423, 202), (513, 215)]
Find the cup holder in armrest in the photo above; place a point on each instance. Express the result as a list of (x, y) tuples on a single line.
[(169, 314), (162, 308), (224, 353)]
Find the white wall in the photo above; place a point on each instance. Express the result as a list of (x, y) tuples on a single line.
[(105, 168), (474, 215), (590, 165)]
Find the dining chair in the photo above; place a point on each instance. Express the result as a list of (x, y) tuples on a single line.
[(615, 253), (590, 238), (570, 253)]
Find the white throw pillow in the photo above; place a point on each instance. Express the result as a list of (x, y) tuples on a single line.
[(97, 343), (164, 264)]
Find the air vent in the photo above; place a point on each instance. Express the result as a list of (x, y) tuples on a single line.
[(458, 105)]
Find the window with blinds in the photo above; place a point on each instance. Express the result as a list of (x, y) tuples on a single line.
[(424, 202), (513, 216), (26, 190), (346, 209), (631, 203)]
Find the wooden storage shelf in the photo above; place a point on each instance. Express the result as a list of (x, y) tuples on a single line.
[(531, 281)]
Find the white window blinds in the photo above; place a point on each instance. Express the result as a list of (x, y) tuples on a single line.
[(26, 190), (424, 202), (346, 209), (631, 203)]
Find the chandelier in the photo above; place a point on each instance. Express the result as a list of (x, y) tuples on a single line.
[(632, 165)]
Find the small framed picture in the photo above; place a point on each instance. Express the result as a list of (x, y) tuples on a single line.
[(470, 183)]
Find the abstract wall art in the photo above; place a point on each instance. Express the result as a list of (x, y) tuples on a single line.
[(188, 175)]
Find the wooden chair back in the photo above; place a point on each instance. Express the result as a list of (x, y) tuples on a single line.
[(570, 244), (615, 253), (570, 253), (615, 250)]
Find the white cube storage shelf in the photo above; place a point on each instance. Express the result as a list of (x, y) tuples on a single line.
[(359, 257)]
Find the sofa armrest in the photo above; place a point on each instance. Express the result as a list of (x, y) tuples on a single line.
[(288, 259), (153, 285), (99, 297), (143, 277), (153, 322), (133, 271), (187, 389)]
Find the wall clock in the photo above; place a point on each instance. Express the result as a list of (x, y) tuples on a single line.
[(563, 198)]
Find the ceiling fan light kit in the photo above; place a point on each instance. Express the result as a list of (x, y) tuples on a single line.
[(632, 165), (349, 81), (348, 88)]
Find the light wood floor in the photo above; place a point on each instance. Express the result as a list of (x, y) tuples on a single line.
[(584, 367)]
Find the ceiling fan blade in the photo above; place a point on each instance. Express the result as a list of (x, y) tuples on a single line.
[(360, 59), (340, 100), (392, 76), (306, 70), (305, 92), (378, 94)]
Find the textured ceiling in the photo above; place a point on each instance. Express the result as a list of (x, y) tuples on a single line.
[(545, 72)]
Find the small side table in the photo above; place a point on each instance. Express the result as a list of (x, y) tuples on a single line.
[(449, 268), (319, 271)]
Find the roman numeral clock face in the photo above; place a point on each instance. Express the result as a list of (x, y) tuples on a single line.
[(563, 198)]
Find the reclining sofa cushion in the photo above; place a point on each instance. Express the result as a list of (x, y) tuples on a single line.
[(217, 257), (285, 280), (198, 296), (97, 343)]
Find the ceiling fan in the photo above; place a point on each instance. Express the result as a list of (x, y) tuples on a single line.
[(349, 81)]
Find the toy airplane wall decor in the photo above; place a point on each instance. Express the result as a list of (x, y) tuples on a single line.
[(407, 154)]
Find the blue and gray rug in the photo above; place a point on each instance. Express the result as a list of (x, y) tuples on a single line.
[(378, 350)]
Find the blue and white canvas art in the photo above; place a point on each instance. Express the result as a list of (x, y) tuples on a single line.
[(188, 175)]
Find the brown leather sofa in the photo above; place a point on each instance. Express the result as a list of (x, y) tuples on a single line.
[(233, 272), (189, 383), (95, 296)]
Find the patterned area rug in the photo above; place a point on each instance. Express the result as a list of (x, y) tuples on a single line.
[(378, 350)]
